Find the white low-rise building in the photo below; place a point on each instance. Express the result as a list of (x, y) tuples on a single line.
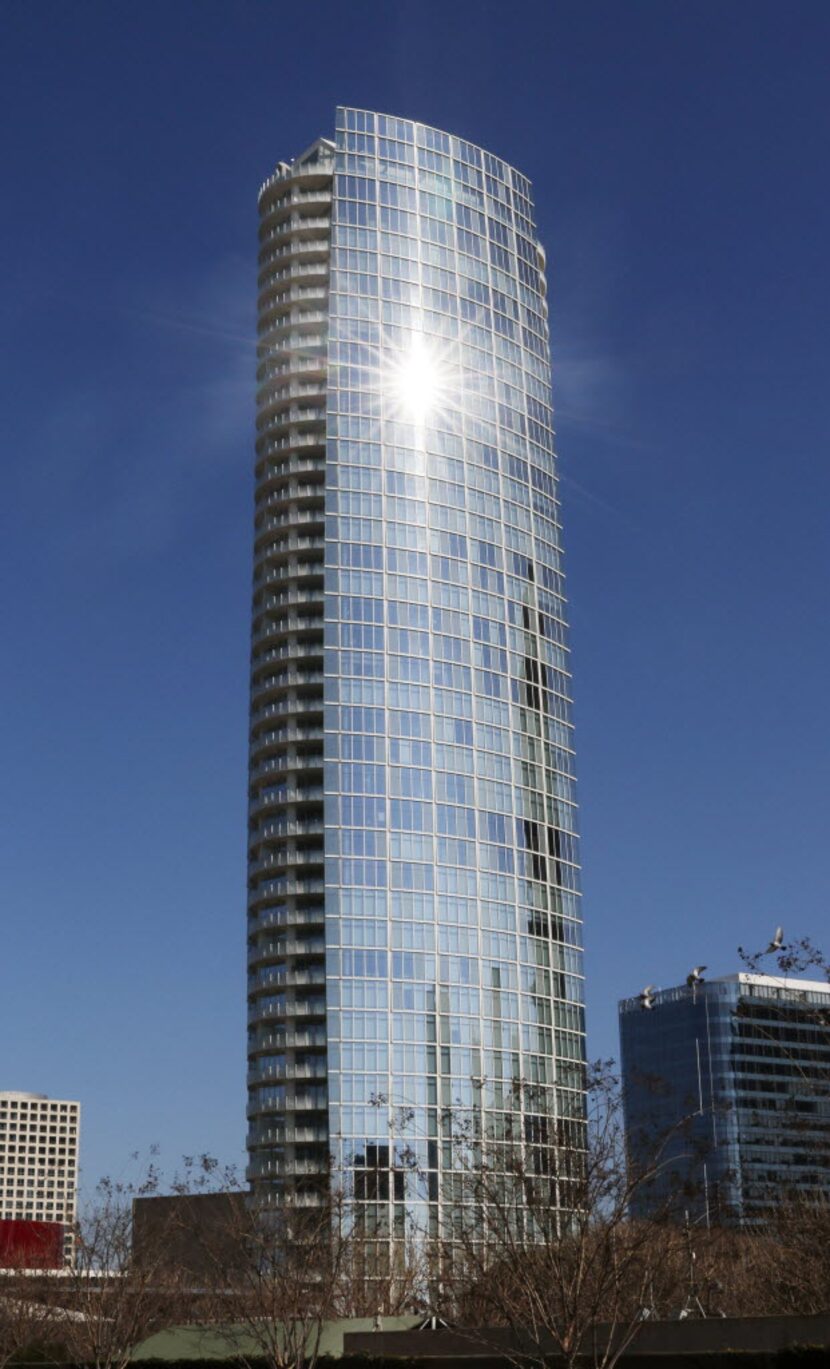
[(39, 1139)]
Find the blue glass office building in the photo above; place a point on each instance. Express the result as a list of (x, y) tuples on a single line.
[(414, 932), (735, 1072)]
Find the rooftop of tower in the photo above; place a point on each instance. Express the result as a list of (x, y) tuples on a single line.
[(318, 156)]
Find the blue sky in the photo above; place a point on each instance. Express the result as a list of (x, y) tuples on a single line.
[(679, 155)]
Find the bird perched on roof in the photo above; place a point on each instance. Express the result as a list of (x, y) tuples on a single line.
[(646, 996), (777, 943), (696, 976)]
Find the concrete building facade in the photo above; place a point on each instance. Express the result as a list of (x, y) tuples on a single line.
[(39, 1140)]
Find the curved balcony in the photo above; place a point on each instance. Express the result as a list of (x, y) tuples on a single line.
[(269, 1134), (302, 1099), (296, 1073), (274, 418), (291, 266), (294, 795), (283, 708), (278, 977), (286, 860), (289, 298), (272, 889), (289, 859), (303, 252), (275, 210), (267, 1169), (309, 469), (269, 687), (273, 368), (295, 570), (275, 284), (299, 316), (304, 1008), (271, 631), (295, 227), (305, 497), (281, 444), (279, 736), (309, 1037), (283, 390), (311, 351), (280, 659), (290, 678), (271, 546), (270, 952), (289, 763), (267, 598), (287, 915)]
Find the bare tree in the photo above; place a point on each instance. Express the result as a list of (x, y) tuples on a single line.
[(791, 1265), (379, 1277), (544, 1247), (108, 1299), (26, 1323), (270, 1303)]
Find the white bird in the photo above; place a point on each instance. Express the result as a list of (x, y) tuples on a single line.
[(646, 996), (777, 943), (696, 976)]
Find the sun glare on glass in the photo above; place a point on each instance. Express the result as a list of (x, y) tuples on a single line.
[(418, 384)]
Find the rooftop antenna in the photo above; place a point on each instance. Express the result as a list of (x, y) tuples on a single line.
[(692, 1307)]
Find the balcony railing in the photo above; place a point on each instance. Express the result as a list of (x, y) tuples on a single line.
[(282, 860), (305, 1007), (283, 204), (288, 1038), (284, 888), (288, 708), (277, 497), (285, 365), (302, 247), (268, 599), (278, 735), (277, 389), (285, 418), (298, 223), (283, 625), (290, 827), (271, 918), (278, 546), (281, 444), (295, 570), (289, 678), (286, 344), (312, 793), (286, 950), (262, 1074)]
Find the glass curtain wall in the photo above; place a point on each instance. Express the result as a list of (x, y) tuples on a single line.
[(453, 964)]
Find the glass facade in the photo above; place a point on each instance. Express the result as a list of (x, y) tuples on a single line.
[(736, 1071), (445, 898)]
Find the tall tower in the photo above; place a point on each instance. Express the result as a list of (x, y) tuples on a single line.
[(413, 904)]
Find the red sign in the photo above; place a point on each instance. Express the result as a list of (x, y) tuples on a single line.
[(30, 1245)]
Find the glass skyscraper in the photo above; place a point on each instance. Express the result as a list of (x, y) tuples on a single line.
[(414, 929), (732, 1078)]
